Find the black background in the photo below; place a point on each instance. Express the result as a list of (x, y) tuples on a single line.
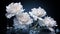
[(51, 7)]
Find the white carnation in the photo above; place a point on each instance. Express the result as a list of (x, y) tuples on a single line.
[(38, 12), (24, 18), (50, 22), (18, 25), (14, 8)]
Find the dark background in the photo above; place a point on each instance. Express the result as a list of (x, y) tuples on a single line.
[(51, 7)]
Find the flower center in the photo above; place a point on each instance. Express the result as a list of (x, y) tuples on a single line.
[(24, 19)]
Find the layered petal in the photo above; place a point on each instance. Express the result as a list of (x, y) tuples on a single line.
[(14, 8), (24, 18), (50, 22), (38, 12)]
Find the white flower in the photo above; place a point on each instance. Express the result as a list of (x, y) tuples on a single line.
[(40, 21), (38, 12), (24, 19), (14, 8), (50, 22), (18, 25)]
